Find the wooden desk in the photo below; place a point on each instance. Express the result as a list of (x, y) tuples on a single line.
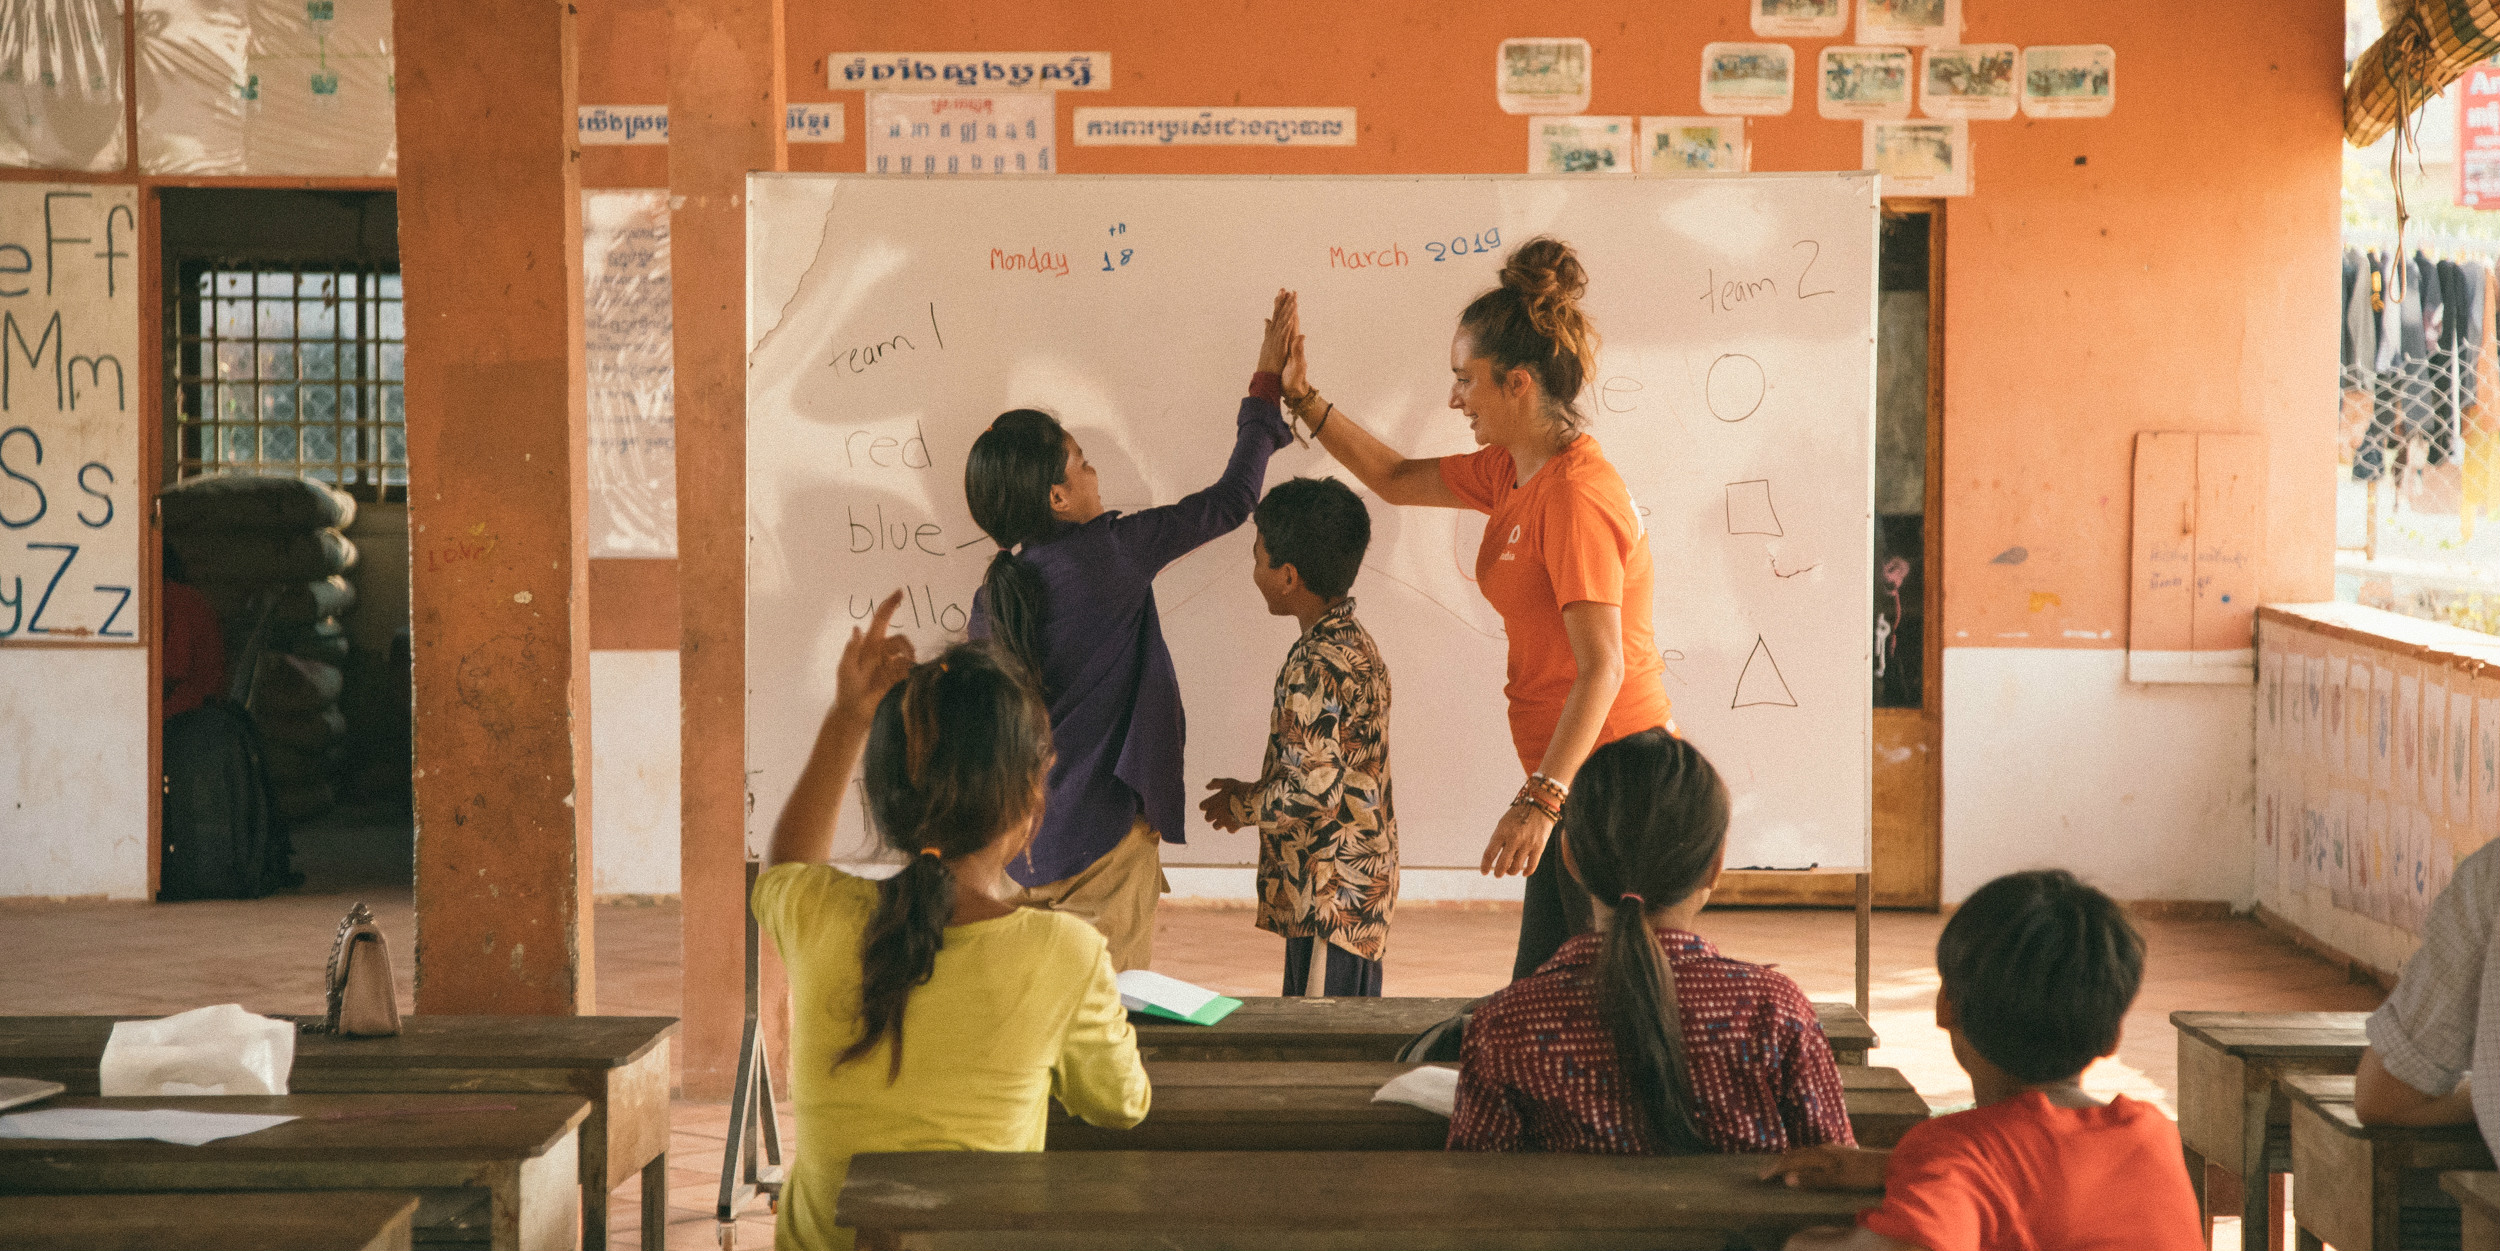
[(618, 1063), (2371, 1188), (337, 1220), (1289, 1105), (527, 1159), (2231, 1114), (1324, 1201), (1374, 1029), (2479, 1196)]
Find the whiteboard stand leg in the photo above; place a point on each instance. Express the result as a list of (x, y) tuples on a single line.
[(1866, 936)]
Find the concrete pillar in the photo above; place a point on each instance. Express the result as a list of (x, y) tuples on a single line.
[(725, 101), (490, 228)]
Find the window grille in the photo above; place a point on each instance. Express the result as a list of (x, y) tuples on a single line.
[(291, 369)]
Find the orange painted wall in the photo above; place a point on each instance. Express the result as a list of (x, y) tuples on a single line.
[(2172, 266)]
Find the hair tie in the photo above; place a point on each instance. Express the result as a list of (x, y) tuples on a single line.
[(932, 851), (1634, 897)]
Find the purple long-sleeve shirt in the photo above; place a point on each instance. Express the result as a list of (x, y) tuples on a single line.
[(1115, 715)]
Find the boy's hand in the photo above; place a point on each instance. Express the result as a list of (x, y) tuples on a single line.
[(1218, 807), (1830, 1168)]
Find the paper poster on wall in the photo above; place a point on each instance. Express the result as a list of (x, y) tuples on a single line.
[(1919, 23), (2382, 726), (951, 73), (2459, 786), (1973, 81), (2269, 697), (2338, 669), (1542, 75), (2434, 745), (1580, 145), (2079, 80), (61, 85), (1919, 158), (1007, 133), (1154, 126), (73, 495), (1863, 84), (1691, 145), (2357, 721), (2405, 782), (2313, 708), (627, 328), (1800, 19), (2486, 823), (1748, 79), (267, 87), (2287, 808)]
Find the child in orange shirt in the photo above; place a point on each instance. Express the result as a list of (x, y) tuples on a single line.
[(2038, 971)]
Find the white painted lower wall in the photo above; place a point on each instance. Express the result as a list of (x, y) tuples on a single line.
[(2053, 759), (74, 772), (633, 773)]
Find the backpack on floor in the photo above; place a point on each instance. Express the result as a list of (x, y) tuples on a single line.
[(221, 837)]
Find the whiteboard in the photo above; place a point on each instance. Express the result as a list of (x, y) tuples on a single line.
[(889, 320)]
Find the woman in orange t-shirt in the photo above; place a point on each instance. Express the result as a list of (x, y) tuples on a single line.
[(1565, 557)]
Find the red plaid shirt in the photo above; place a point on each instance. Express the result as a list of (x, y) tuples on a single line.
[(1538, 1069)]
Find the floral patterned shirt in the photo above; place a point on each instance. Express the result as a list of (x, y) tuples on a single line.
[(1328, 841)]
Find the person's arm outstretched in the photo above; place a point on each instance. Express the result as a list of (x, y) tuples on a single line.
[(872, 663), (1392, 475), (1165, 534)]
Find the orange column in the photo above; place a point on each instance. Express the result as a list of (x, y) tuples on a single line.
[(725, 100), (491, 259)]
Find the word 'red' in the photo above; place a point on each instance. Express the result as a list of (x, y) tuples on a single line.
[(885, 451), (1032, 260)]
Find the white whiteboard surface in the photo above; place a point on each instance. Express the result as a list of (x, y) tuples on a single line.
[(1735, 392)]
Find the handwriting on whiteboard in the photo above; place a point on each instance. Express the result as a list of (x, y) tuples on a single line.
[(1032, 260)]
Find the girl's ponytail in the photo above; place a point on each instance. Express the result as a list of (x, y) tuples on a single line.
[(903, 938), (1012, 597), (1007, 482), (1636, 999)]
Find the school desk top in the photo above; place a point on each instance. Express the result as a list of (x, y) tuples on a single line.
[(67, 1048), (416, 1127), (2277, 1035), (1360, 1028), (1326, 1105), (1288, 1201), (2330, 1098), (2359, 1186), (329, 1220)]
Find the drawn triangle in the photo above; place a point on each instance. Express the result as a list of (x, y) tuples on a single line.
[(1760, 682)]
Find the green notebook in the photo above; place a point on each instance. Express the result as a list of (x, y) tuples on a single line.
[(1213, 1010)]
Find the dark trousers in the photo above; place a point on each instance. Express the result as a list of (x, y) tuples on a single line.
[(1554, 910), (1348, 974)]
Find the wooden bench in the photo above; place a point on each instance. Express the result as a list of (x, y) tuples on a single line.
[(1324, 1201), (1289, 1105), (2232, 1115), (525, 1159), (1266, 1028), (2371, 1187), (338, 1220), (2478, 1196), (619, 1063)]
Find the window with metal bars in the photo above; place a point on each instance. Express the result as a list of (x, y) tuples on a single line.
[(291, 369)]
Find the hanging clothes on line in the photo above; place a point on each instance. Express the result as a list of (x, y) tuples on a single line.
[(2416, 358)]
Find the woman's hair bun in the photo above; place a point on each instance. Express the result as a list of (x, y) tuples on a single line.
[(1549, 279)]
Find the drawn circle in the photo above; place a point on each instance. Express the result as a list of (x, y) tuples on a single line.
[(1735, 385)]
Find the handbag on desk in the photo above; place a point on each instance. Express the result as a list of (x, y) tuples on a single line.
[(363, 1003)]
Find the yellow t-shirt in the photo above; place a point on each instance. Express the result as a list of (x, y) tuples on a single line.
[(1020, 1009)]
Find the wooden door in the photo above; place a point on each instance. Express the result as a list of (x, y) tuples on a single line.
[(1907, 682)]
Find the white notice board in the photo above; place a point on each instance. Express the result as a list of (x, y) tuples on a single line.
[(72, 493), (890, 319)]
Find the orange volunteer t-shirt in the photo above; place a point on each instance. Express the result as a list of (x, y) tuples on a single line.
[(1570, 534), (2026, 1174)]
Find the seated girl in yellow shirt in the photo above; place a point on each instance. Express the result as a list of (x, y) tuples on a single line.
[(928, 1014)]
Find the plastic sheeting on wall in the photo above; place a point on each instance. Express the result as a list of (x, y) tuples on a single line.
[(627, 323), (61, 84), (267, 87)]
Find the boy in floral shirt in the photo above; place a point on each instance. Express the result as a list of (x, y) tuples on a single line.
[(1328, 842)]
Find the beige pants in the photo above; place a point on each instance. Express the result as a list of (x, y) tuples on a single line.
[(1116, 894)]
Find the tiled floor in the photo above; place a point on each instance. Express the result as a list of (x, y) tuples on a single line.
[(268, 955)]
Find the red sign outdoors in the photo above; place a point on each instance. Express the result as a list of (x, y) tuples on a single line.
[(2478, 137)]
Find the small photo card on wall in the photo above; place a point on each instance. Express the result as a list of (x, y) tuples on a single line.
[(1580, 145), (1800, 19), (1008, 133), (2406, 782), (2313, 708), (2357, 721), (2382, 726), (1748, 79), (1692, 145), (1920, 23), (2070, 80), (1542, 75), (1974, 81), (2486, 769), (2460, 780), (1919, 158), (2435, 744), (2337, 669), (1863, 84)]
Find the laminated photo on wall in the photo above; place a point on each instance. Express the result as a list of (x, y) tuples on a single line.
[(1974, 81), (1542, 75), (1863, 84), (2072, 80), (1580, 145), (1920, 158), (1007, 133), (1800, 19), (1692, 145), (1919, 23), (1748, 79)]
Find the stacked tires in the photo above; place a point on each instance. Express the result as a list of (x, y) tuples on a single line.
[(269, 553)]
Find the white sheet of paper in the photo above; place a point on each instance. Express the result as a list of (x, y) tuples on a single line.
[(1431, 1088), (190, 1129), (1140, 987)]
